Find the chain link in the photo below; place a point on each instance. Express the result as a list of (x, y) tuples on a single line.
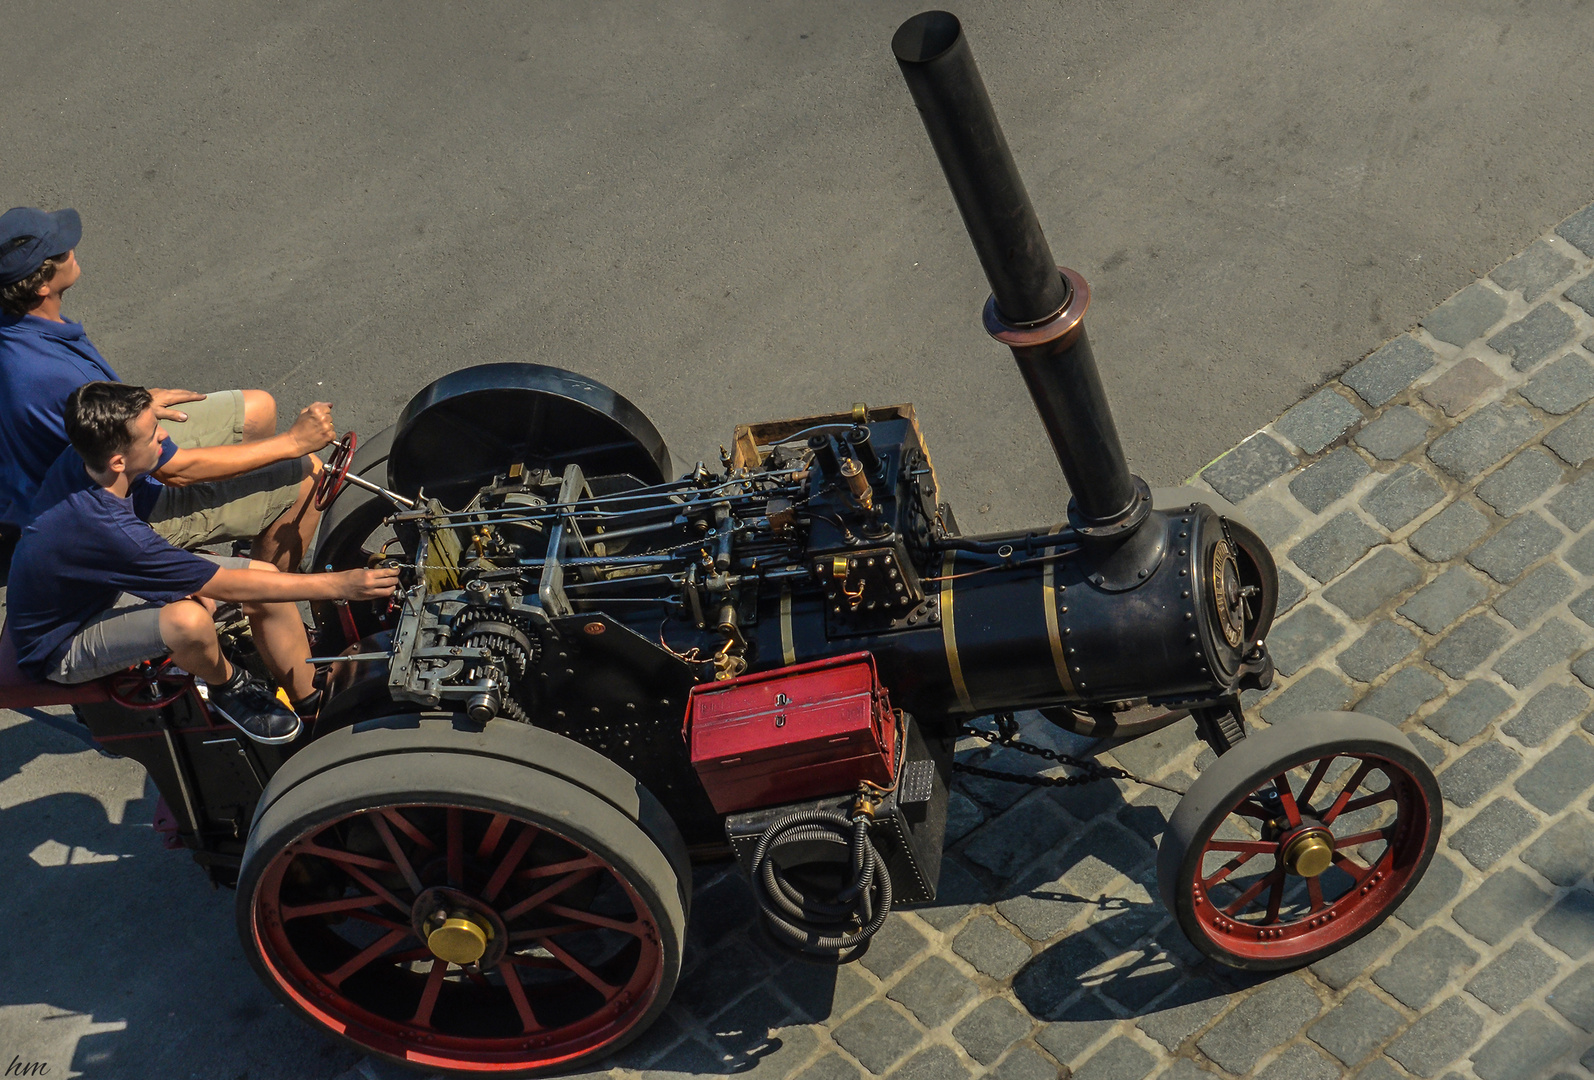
[(1006, 736)]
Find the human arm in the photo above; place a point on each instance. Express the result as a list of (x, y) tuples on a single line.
[(165, 399), (270, 585), (309, 433)]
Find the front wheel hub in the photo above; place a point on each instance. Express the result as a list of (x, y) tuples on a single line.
[(1310, 853), (459, 941)]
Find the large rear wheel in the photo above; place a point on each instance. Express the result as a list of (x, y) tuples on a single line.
[(445, 902)]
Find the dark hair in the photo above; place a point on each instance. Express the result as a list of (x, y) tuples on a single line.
[(98, 415), (21, 297)]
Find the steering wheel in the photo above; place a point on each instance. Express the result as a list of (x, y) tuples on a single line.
[(148, 685), (336, 470)]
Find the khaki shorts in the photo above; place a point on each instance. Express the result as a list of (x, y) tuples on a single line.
[(119, 637), (238, 508)]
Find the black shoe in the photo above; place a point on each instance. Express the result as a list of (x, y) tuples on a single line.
[(250, 706)]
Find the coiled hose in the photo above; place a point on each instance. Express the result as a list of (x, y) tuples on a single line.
[(836, 929)]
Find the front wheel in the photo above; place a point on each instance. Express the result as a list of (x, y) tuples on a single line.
[(443, 902), (1299, 841)]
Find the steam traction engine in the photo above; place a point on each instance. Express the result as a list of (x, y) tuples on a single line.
[(597, 673)]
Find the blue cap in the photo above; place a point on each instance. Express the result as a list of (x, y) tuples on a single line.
[(29, 236)]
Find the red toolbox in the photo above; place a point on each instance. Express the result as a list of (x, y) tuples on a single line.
[(795, 733)]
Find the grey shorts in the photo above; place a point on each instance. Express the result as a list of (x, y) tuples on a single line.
[(120, 636)]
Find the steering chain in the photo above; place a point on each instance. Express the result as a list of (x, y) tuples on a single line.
[(1006, 736)]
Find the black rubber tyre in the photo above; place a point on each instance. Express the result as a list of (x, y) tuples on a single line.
[(1229, 811), (429, 814)]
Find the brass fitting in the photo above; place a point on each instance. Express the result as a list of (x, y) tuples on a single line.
[(1309, 854), (459, 940)]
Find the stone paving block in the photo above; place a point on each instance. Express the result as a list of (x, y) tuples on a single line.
[(1434, 752), (1041, 905), (1438, 1038), (1519, 481), (1406, 691), (934, 1063), (1339, 969), (1147, 813), (1300, 1063), (1181, 1069), (836, 1067), (1466, 315), (1552, 643), (1104, 852), (1381, 1069), (1189, 1006), (1046, 982), (1248, 467), (1132, 915), (1423, 967), (1268, 518), (691, 1057), (1574, 506), (1501, 904), (991, 947), (1316, 691), (1578, 230), (934, 991), (1492, 832), (1560, 775), (1380, 578), (1089, 802), (1150, 972), (1399, 431), (1333, 548), (1318, 420), (1068, 1038), (1482, 440), (1533, 271), (1121, 1059), (1291, 591), (1260, 1022), (963, 816), (822, 994), (1573, 997), (1437, 888), (1402, 496), (1376, 651), (1522, 1050), (1581, 293), (1458, 389), (1532, 338), (1468, 712), (878, 1036), (1565, 853), (1449, 532), (890, 950), (1149, 754), (1535, 594), (1546, 712), (990, 1029), (1573, 440), (1321, 483), (1294, 641), (1389, 370), (1562, 386), (1583, 668), (1477, 771), (1467, 646), (1444, 600), (1023, 1064), (1513, 975), (1569, 925), (957, 891), (1509, 552), (1011, 841), (1355, 1026)]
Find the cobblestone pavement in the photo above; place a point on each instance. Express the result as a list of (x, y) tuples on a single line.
[(1434, 523)]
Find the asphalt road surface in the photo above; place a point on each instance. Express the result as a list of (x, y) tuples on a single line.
[(728, 212)]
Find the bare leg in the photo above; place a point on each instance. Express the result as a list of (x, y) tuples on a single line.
[(260, 415), (284, 541), (189, 632), (282, 642)]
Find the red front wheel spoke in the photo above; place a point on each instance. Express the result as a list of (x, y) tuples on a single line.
[(407, 827), (1292, 813), (549, 931), (507, 864), (1316, 778), (303, 911), (1314, 893), (550, 869), (1226, 869), (1346, 792), (1252, 847), (543, 895), (494, 833), (1387, 795), (1356, 870), (584, 973), (1251, 893), (434, 984), (1275, 898), (456, 847), (365, 956), (632, 928), (517, 994), (371, 883), (347, 858), (1362, 838), (1252, 809), (410, 877)]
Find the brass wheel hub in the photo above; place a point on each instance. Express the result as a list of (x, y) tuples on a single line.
[(458, 940), (1309, 853), (459, 928)]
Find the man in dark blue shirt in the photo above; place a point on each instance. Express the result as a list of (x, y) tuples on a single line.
[(231, 477), (118, 593)]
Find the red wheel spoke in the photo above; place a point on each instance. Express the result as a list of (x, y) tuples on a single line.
[(370, 883), (1292, 813), (507, 864), (303, 911), (582, 971), (434, 984), (411, 878), (549, 931), (1314, 892), (365, 956), (377, 920), (517, 994), (550, 869), (476, 977), (347, 858), (1226, 869), (1252, 809), (542, 963), (494, 833), (1252, 847), (1316, 778), (405, 826), (1345, 794), (1251, 893), (409, 956), (456, 847), (1387, 795), (548, 892), (1355, 869), (1275, 898), (632, 928), (1363, 838)]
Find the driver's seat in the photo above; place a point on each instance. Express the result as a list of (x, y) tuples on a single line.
[(17, 691)]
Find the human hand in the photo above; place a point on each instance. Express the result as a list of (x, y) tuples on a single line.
[(366, 584), (165, 399), (313, 429)]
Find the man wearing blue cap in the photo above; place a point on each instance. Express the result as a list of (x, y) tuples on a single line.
[(227, 476)]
